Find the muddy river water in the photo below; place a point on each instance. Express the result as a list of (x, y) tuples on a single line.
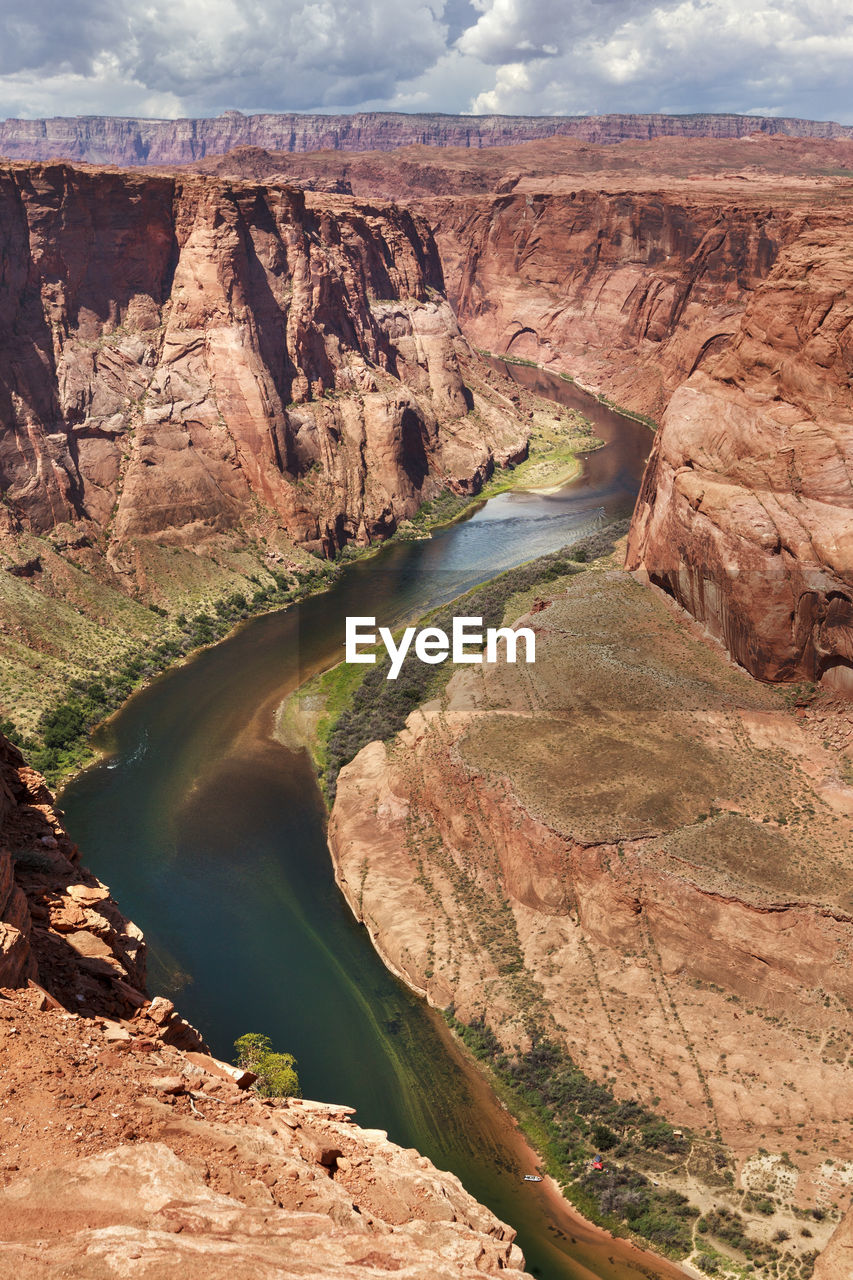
[(211, 835)]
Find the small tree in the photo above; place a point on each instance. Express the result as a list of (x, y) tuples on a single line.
[(276, 1072)]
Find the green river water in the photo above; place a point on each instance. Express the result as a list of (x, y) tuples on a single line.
[(211, 835)]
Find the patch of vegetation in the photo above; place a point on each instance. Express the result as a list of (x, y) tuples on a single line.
[(329, 693), (377, 708), (60, 744), (441, 510), (276, 1072), (572, 1113), (558, 435), (800, 695), (507, 359), (729, 1227), (37, 860)]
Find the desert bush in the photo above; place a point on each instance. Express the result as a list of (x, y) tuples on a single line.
[(276, 1072)]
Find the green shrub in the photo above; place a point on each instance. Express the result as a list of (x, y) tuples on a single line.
[(276, 1072), (728, 1226), (661, 1136), (62, 725), (604, 1137)]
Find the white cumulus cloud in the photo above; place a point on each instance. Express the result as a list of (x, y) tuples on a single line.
[(199, 57)]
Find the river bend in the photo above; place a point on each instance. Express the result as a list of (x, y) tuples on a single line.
[(211, 835)]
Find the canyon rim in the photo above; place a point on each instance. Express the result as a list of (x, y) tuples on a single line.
[(237, 356)]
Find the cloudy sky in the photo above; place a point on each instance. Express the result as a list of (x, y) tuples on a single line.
[(200, 57)]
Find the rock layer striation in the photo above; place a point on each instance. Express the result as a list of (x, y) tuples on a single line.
[(128, 141), (635, 850), (177, 353)]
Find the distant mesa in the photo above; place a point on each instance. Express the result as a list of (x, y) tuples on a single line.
[(129, 141)]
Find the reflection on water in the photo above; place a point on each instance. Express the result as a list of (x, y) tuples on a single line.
[(211, 835)]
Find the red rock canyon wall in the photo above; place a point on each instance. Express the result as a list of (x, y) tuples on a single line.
[(176, 354)]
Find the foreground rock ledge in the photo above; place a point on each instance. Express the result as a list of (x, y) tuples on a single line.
[(121, 1151), (127, 1149)]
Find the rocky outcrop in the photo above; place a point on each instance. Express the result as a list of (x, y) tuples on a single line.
[(180, 355), (746, 511), (127, 141), (127, 1151), (836, 1261), (61, 931), (634, 849), (204, 384), (17, 963), (59, 925)]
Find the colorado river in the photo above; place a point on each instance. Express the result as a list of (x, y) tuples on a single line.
[(211, 835)]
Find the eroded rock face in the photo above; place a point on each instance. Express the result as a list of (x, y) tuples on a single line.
[(177, 355), (113, 140), (746, 510), (701, 296), (634, 849), (731, 324), (627, 291)]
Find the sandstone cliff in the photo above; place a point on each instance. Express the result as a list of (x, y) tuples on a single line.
[(633, 849), (628, 291), (732, 323), (202, 382), (127, 1141), (624, 266), (729, 321), (705, 285), (746, 510), (176, 352), (114, 140), (836, 1262)]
